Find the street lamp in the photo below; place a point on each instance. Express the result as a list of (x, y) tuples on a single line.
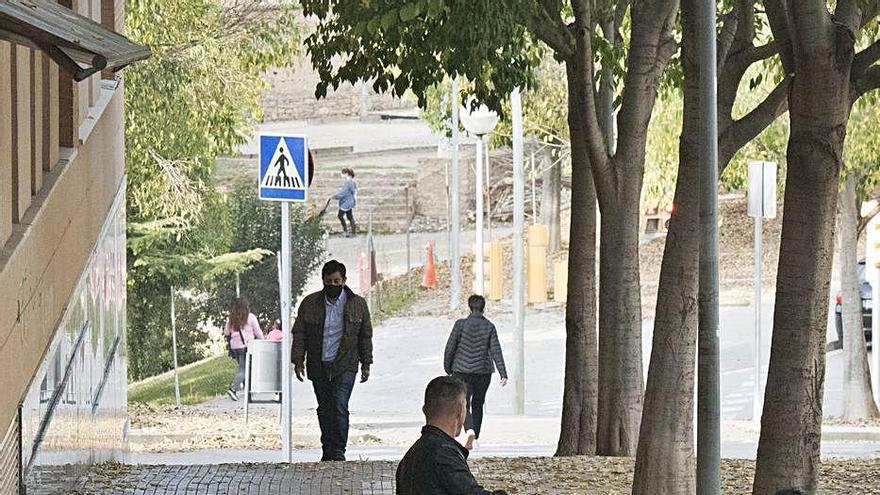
[(479, 122)]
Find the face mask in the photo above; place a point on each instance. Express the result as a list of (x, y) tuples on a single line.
[(332, 291)]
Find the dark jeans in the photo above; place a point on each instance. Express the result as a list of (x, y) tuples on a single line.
[(477, 385), (342, 215), (240, 355), (333, 395)]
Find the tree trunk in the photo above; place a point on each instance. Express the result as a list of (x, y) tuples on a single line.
[(578, 432), (620, 324), (551, 199), (858, 401), (619, 187), (791, 423), (665, 462)]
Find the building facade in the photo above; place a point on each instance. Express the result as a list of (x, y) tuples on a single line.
[(62, 240)]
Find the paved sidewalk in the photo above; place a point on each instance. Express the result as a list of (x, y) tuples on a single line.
[(523, 475), (366, 478)]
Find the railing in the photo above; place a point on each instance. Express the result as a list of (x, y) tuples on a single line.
[(10, 458)]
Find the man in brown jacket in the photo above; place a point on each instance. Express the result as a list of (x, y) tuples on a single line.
[(332, 334)]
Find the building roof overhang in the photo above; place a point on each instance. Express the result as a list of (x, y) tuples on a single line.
[(78, 44)]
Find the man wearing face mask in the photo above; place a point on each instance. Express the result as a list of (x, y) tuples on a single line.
[(332, 334), (436, 464)]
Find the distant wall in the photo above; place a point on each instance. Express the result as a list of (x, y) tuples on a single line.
[(291, 96)]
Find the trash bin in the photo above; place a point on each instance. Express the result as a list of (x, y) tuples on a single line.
[(263, 374)]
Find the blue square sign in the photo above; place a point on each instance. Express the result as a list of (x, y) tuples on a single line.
[(284, 171)]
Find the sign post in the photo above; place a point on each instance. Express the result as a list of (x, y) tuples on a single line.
[(762, 204), (284, 176), (872, 275)]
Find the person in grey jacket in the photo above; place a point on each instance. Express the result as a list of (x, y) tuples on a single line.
[(471, 350), (347, 197)]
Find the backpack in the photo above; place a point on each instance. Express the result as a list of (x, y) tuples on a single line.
[(229, 351)]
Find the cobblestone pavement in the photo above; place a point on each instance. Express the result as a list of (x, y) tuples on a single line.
[(518, 476), (336, 478)]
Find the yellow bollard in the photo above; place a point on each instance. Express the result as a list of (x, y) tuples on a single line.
[(538, 240), (495, 282), (560, 282)]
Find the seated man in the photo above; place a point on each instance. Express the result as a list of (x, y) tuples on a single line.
[(436, 463)]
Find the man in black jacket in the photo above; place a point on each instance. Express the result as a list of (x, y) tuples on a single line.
[(332, 334), (436, 464)]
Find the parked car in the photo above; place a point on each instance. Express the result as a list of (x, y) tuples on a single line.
[(867, 305)]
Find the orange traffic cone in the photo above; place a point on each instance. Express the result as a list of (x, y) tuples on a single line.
[(429, 277)]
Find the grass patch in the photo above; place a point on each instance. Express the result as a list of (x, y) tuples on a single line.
[(391, 297), (199, 382)]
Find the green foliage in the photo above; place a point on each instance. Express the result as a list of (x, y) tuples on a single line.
[(661, 165), (200, 381), (661, 153), (257, 226), (545, 107), (861, 152), (406, 44), (149, 329), (195, 98)]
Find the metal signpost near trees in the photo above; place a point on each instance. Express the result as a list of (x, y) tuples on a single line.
[(284, 176), (762, 204)]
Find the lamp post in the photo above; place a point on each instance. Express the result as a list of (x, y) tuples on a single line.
[(479, 122)]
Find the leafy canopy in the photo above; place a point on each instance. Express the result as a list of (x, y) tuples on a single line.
[(414, 44)]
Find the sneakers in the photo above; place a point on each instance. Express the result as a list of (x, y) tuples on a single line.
[(232, 395)]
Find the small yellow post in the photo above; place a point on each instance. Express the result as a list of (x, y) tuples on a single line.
[(539, 239), (560, 282), (495, 283)]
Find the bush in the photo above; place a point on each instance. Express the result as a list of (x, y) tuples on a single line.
[(256, 224)]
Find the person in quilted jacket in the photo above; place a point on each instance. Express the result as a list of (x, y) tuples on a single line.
[(471, 351)]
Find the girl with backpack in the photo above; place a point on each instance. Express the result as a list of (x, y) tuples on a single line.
[(241, 328)]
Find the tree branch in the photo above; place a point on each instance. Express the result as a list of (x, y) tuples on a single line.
[(745, 29), (754, 54), (729, 27), (865, 219), (549, 28), (742, 131), (582, 68), (866, 58), (867, 81), (620, 13), (848, 14), (777, 13)]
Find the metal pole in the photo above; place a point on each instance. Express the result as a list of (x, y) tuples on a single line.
[(174, 350), (408, 225), (455, 216), (518, 226), (534, 193), (448, 213), (875, 329), (759, 275), (371, 305), (237, 285), (488, 191), (365, 100), (709, 378), (287, 340), (481, 282)]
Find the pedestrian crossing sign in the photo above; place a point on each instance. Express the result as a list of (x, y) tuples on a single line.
[(283, 168)]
